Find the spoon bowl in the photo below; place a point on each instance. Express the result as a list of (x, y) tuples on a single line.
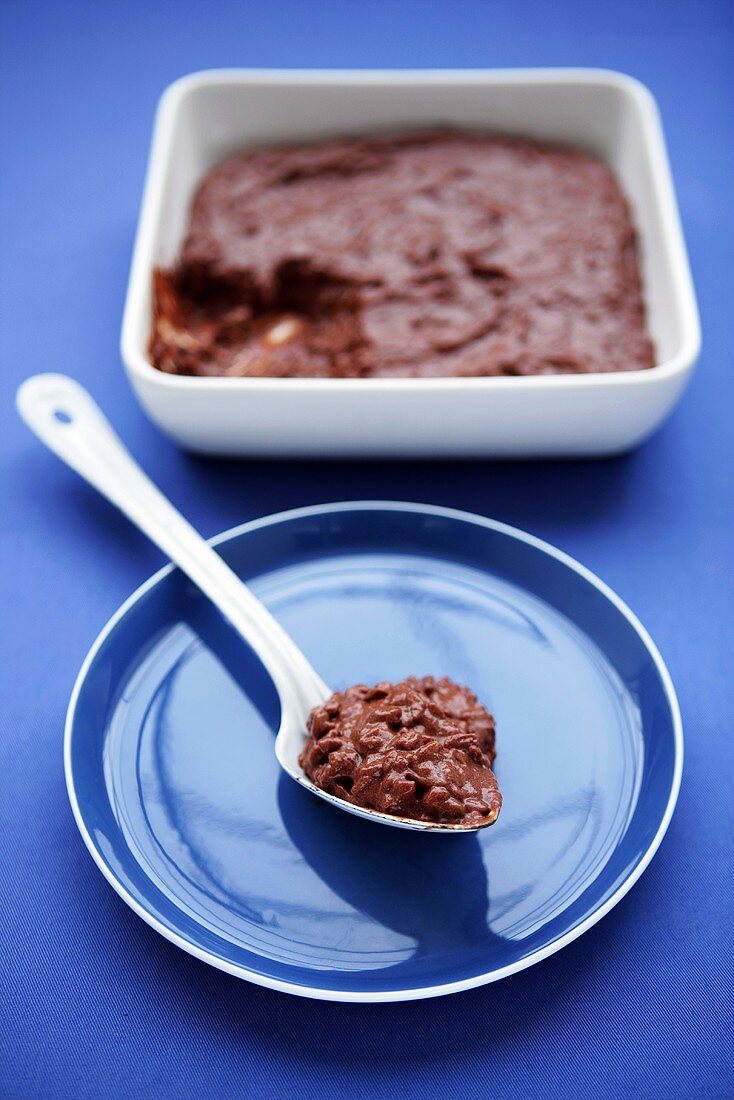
[(63, 415)]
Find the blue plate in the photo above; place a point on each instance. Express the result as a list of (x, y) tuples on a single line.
[(177, 793)]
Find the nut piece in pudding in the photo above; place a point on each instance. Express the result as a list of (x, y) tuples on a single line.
[(422, 748)]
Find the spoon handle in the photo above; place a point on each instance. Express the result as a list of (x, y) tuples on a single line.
[(67, 420)]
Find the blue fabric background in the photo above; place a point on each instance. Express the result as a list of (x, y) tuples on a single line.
[(95, 1004)]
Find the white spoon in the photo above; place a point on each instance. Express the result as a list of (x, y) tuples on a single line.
[(64, 416)]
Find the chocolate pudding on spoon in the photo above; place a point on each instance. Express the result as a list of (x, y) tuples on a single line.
[(420, 748)]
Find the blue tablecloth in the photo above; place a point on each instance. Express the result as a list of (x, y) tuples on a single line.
[(94, 1003)]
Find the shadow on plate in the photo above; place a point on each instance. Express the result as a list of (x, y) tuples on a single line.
[(433, 889)]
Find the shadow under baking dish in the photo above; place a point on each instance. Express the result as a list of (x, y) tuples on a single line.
[(176, 789)]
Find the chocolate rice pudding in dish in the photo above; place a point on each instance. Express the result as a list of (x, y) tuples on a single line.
[(427, 254)]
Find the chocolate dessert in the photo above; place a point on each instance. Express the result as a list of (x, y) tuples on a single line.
[(440, 253), (421, 748)]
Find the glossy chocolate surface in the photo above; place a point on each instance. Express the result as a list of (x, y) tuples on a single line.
[(425, 254), (421, 748)]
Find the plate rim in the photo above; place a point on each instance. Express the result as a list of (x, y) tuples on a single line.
[(381, 996)]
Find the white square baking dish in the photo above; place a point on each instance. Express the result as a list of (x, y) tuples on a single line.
[(203, 117)]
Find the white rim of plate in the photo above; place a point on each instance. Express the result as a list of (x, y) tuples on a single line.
[(325, 994)]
